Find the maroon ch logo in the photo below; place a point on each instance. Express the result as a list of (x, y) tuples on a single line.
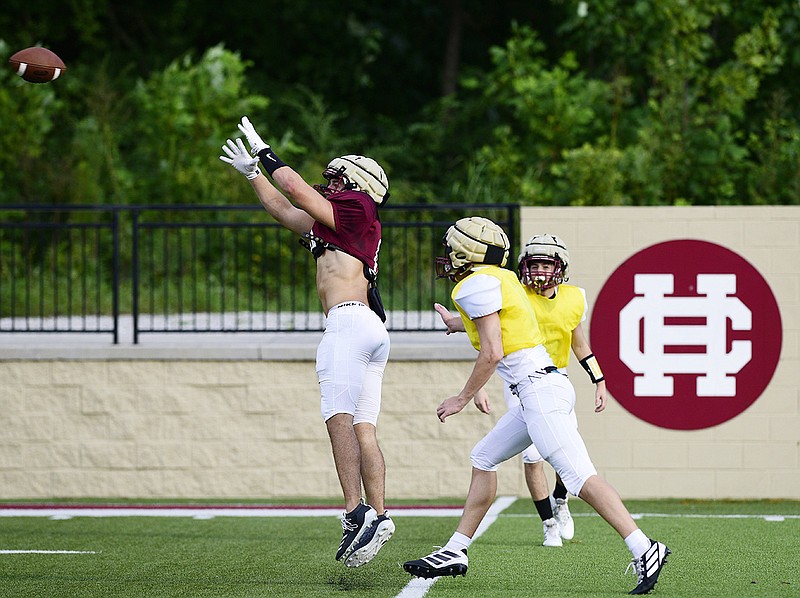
[(688, 334)]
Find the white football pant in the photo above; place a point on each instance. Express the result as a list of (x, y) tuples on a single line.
[(544, 417), (351, 358)]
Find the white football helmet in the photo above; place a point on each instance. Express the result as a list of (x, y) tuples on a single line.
[(361, 173), (471, 241), (543, 248)]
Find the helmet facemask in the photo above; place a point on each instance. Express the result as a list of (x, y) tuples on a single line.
[(445, 268), (543, 249), (533, 277), (335, 174)]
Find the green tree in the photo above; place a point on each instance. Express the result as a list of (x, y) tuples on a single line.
[(693, 126), (28, 117), (562, 137), (180, 117), (541, 114), (708, 84), (608, 101)]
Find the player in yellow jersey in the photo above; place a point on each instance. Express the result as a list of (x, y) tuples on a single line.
[(543, 267), (501, 324)]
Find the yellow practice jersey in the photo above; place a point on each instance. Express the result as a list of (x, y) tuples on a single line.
[(557, 318), (517, 318)]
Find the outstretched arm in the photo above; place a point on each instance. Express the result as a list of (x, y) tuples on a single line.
[(582, 350), (290, 182), (305, 196), (278, 206)]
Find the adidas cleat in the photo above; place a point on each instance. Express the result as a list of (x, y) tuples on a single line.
[(439, 563), (354, 524), (371, 541), (648, 567)]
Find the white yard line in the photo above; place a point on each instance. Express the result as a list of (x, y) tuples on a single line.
[(680, 516), (66, 512), (418, 587), (63, 513), (47, 552), (200, 512), (210, 513)]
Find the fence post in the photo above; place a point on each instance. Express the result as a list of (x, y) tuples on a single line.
[(135, 274), (115, 275)]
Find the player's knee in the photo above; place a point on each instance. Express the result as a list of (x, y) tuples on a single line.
[(481, 460), (573, 472), (574, 480), (531, 456)]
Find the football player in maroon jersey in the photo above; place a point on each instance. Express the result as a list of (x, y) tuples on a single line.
[(340, 225)]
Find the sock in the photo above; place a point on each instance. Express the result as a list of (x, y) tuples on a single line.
[(560, 491), (458, 541), (544, 508), (637, 543)]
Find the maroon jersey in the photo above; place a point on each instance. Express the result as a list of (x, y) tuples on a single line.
[(358, 230)]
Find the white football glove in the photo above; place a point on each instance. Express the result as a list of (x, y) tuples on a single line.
[(253, 138), (240, 159)]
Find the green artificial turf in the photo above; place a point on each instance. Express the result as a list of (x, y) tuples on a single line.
[(293, 556)]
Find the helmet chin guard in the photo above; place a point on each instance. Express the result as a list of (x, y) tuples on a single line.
[(360, 173), (472, 241), (543, 248)]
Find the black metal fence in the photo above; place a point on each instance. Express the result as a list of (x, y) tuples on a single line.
[(203, 268), (59, 269)]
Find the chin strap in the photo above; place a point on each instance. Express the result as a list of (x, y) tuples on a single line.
[(592, 368)]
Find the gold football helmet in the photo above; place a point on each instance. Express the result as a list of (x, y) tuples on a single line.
[(472, 241), (540, 248)]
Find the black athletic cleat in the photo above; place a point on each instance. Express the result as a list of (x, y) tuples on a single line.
[(371, 541), (354, 524), (439, 563), (648, 567)]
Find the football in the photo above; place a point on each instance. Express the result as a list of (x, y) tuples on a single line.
[(37, 65)]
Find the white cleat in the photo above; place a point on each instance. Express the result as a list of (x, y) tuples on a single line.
[(552, 537), (371, 541), (566, 525)]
